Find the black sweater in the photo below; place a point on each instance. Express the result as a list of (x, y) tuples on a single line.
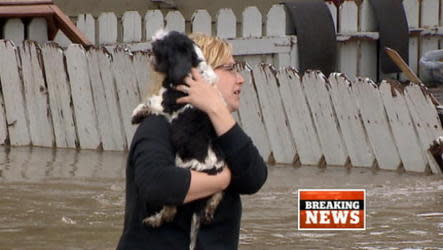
[(153, 180)]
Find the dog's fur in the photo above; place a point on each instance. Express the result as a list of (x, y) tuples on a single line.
[(174, 54), (436, 150)]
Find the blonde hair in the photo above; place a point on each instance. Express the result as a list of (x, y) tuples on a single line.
[(215, 50)]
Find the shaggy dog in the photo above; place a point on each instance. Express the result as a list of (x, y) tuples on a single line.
[(174, 54)]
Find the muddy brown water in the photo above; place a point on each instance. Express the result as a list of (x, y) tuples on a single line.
[(64, 199)]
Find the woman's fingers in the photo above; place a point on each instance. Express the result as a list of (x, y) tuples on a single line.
[(194, 77), (188, 80), (183, 88), (196, 74), (184, 99)]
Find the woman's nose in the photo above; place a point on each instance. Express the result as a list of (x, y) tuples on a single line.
[(240, 79)]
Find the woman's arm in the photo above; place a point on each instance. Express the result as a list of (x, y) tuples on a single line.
[(203, 185), (158, 180), (249, 171)]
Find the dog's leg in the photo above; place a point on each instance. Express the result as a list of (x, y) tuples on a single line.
[(211, 205), (167, 214), (195, 226)]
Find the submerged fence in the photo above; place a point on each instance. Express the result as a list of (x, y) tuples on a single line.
[(257, 37), (77, 98)]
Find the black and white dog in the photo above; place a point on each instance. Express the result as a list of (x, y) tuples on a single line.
[(174, 54)]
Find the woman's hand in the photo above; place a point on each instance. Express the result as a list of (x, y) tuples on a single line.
[(201, 95), (208, 99)]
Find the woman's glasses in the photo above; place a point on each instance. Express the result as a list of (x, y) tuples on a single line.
[(233, 68)]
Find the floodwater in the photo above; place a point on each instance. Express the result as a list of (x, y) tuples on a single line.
[(64, 199)]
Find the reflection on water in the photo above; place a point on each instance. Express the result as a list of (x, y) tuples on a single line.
[(64, 199), (33, 164)]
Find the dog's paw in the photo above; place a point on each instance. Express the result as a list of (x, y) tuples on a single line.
[(167, 214), (436, 149), (137, 119), (208, 216), (211, 206), (139, 113), (438, 141), (153, 221)]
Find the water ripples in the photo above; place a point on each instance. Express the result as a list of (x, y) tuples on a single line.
[(66, 199)]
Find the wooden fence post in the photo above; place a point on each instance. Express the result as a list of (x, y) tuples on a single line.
[(403, 130), (251, 27), (175, 21), (226, 24), (251, 115), (276, 21), (82, 97), (412, 10), (314, 84), (153, 22), (105, 100), (429, 19), (143, 72), (127, 89), (348, 118), (105, 61), (62, 40), (276, 26), (299, 118), (280, 137), (202, 22), (251, 22), (36, 96), (376, 123), (14, 30), (348, 50), (86, 24), (367, 58), (132, 27), (59, 95), (426, 122), (38, 30), (13, 95), (107, 29)]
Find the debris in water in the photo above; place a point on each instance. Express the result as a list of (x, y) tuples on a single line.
[(68, 220)]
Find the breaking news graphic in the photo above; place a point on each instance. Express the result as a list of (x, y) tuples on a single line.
[(331, 209)]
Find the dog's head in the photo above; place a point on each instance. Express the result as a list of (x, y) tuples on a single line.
[(174, 56)]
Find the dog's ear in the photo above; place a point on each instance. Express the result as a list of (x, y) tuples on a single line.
[(180, 66), (181, 59), (160, 56)]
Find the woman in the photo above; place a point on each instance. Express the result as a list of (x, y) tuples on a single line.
[(153, 180)]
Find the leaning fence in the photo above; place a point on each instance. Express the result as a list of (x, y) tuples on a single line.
[(77, 98), (255, 36)]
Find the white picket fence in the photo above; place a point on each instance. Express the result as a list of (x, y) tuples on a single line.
[(77, 98), (256, 37)]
